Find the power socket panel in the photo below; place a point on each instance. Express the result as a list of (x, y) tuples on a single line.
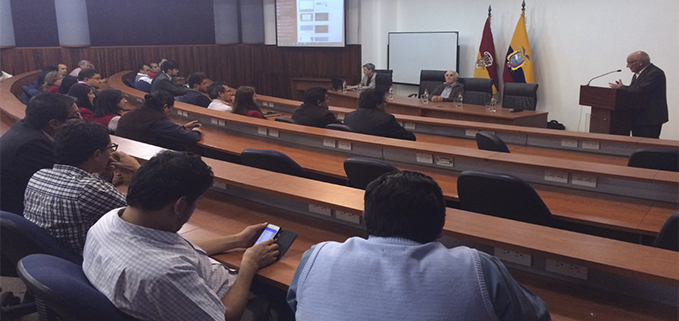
[(583, 180), (567, 269), (556, 176), (424, 158), (513, 256), (320, 210), (470, 132), (349, 217), (571, 143)]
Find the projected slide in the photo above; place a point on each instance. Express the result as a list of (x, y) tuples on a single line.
[(310, 23)]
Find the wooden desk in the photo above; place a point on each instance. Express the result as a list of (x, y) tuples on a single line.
[(299, 85), (445, 110)]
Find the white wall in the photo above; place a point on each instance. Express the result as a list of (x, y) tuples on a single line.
[(571, 41)]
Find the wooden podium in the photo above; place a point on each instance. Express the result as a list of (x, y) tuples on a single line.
[(611, 109)]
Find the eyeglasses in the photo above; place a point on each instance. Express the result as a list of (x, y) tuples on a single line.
[(75, 116), (113, 147)]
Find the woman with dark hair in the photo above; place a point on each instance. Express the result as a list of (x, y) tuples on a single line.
[(84, 100), (150, 124), (52, 82), (244, 102), (108, 108)]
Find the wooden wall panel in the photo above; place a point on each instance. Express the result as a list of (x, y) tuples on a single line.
[(265, 67)]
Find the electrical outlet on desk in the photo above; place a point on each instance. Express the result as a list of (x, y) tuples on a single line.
[(512, 256)]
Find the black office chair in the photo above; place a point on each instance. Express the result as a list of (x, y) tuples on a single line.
[(501, 195), (655, 158), (142, 85), (341, 127), (520, 96), (477, 91), (668, 238), (430, 79), (491, 142), (272, 160), (129, 82), (62, 291), (20, 237), (362, 170), (382, 82), (384, 71), (285, 120)]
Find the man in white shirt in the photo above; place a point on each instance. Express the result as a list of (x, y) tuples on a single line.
[(143, 74), (221, 95)]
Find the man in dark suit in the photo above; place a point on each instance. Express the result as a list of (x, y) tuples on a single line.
[(449, 90), (370, 117), (650, 80), (164, 80), (28, 146), (198, 82), (314, 111)]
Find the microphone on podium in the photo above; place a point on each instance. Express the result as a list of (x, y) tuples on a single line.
[(599, 76)]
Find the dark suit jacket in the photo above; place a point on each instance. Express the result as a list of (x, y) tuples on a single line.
[(376, 122), (652, 83), (457, 89), (195, 97), (310, 115), (162, 82), (23, 150)]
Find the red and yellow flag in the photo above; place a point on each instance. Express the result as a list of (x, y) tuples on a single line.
[(519, 60), (486, 66)]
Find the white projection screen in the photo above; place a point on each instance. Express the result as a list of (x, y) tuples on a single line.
[(410, 52), (310, 23)]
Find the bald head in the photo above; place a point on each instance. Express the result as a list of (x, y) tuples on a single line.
[(637, 61)]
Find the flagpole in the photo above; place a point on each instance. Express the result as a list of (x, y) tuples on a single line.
[(523, 5), (489, 9)]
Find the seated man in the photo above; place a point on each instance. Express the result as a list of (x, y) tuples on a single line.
[(449, 90), (135, 257), (92, 77), (155, 69), (63, 69), (198, 83), (368, 79), (314, 111), (400, 272), (165, 80), (28, 146), (68, 199), (143, 74), (82, 64), (370, 117), (221, 95)]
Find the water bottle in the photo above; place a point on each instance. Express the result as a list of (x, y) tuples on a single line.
[(360, 86), (391, 92), (425, 96), (459, 100), (344, 86), (493, 104)]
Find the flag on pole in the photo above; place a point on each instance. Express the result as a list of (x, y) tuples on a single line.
[(519, 60), (486, 67)]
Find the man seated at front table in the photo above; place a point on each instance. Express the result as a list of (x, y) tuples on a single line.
[(166, 79), (135, 257), (449, 90), (29, 146), (69, 198), (401, 272), (314, 111), (370, 117), (368, 79), (221, 96), (198, 83)]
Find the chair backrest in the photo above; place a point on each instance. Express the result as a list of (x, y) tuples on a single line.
[(285, 120), (61, 287), (341, 127), (384, 71), (382, 82), (20, 237), (655, 158), (501, 195), (488, 141), (668, 238), (430, 79), (129, 82), (520, 96), (477, 91), (272, 160), (362, 170), (142, 85)]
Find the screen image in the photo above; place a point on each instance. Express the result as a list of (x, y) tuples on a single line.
[(310, 23), (268, 233)]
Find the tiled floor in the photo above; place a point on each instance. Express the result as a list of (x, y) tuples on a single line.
[(18, 288)]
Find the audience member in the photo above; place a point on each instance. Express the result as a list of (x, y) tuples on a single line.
[(314, 111), (84, 99), (143, 74), (68, 199), (41, 75), (52, 82), (67, 83), (449, 90), (63, 69), (108, 107), (28, 146), (91, 77), (82, 64), (198, 83), (370, 117), (221, 95), (244, 102), (150, 124), (368, 80), (155, 69), (165, 79), (135, 257), (400, 272)]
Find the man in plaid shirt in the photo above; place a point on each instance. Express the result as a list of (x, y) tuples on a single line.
[(69, 198)]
